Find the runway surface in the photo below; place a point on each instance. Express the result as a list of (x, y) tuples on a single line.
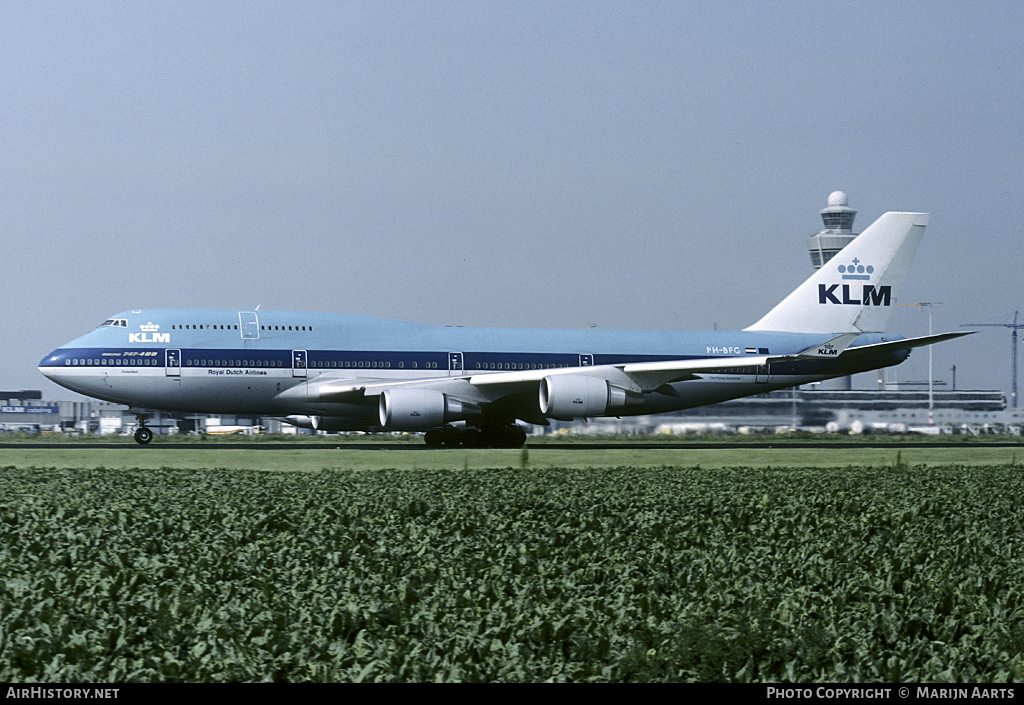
[(823, 445)]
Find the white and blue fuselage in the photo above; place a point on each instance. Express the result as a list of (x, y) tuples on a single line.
[(232, 362)]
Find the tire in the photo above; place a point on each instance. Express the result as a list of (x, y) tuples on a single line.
[(472, 438), (452, 437), (517, 437)]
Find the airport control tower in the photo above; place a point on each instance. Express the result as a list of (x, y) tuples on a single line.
[(838, 233)]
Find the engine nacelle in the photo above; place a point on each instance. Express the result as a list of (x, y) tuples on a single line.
[(576, 396), (413, 409)]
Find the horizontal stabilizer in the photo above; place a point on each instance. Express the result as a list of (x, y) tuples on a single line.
[(904, 344)]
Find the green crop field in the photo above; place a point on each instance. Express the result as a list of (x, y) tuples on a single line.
[(902, 570)]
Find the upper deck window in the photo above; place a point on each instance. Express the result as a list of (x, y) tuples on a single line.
[(119, 322)]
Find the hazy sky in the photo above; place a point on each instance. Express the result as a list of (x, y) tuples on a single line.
[(644, 165)]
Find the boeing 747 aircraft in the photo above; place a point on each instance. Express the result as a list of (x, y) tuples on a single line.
[(470, 386)]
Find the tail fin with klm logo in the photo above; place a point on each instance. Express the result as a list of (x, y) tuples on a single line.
[(854, 292)]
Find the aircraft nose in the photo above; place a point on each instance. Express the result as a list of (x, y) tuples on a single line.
[(61, 367), (54, 366), (47, 366)]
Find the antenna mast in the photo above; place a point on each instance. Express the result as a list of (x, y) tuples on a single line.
[(931, 395), (1014, 327)]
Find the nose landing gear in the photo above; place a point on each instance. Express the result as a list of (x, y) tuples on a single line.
[(143, 434)]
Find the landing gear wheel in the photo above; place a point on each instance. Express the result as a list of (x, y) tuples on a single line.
[(473, 438), (516, 437), (434, 438), (452, 437), (507, 437), (143, 435)]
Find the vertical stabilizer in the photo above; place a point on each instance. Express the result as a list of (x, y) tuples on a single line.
[(856, 290)]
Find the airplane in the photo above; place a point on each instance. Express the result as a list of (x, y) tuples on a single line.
[(472, 386)]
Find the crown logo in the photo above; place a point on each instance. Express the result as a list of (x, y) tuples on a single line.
[(857, 270), (149, 327)]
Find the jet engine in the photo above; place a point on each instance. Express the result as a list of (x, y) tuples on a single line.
[(414, 409), (576, 396)]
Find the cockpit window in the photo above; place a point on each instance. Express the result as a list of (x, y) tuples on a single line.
[(119, 322)]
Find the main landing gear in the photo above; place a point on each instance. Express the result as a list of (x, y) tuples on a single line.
[(143, 434), (487, 436)]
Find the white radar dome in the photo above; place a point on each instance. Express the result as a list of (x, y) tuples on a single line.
[(837, 198)]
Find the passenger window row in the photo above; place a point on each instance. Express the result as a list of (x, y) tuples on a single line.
[(349, 364), (518, 366), (233, 363), (116, 361), (194, 326)]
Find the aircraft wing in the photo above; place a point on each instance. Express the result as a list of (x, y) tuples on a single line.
[(638, 376), (559, 393), (486, 387)]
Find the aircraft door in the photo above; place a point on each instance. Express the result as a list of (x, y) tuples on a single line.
[(763, 374), (454, 364), (586, 360), (298, 363), (174, 363), (249, 325)]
